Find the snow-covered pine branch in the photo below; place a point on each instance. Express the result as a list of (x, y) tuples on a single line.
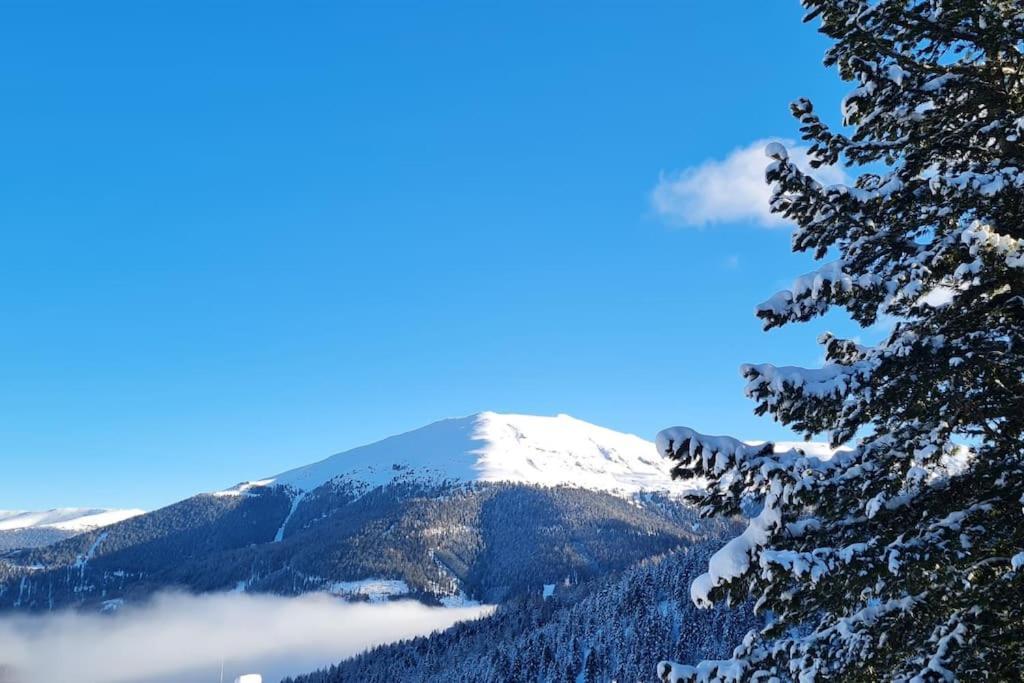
[(902, 558)]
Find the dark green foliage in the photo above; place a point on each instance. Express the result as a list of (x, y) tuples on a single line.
[(173, 546), (901, 559), (606, 630), (490, 541)]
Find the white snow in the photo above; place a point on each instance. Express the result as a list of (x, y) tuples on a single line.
[(91, 552), (279, 536), (65, 519), (244, 488), (1017, 561), (817, 449), (376, 590), (718, 450), (828, 381), (549, 590), (733, 559), (458, 600), (808, 291), (493, 447)]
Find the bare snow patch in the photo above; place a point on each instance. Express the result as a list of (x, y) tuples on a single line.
[(460, 599), (376, 590)]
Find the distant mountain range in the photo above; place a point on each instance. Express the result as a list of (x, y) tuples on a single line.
[(33, 529)]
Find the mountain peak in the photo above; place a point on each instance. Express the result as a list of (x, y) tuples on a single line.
[(496, 447)]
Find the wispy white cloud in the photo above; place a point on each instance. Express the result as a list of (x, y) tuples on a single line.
[(178, 638), (729, 190)]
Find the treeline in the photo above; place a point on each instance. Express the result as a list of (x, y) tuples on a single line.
[(612, 629), (491, 541)]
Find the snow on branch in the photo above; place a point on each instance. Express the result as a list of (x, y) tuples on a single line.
[(733, 560), (714, 453), (735, 470), (726, 461), (830, 380), (812, 293), (983, 238)]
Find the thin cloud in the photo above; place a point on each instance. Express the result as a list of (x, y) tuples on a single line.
[(729, 190), (178, 638)]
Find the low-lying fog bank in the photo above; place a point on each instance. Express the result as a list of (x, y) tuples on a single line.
[(179, 638)]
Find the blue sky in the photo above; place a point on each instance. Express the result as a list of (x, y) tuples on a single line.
[(239, 238)]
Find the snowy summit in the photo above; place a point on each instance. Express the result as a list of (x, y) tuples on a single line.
[(64, 519), (35, 529), (495, 447)]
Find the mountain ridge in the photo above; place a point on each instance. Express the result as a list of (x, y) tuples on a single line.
[(485, 507), (493, 447), (38, 528), (67, 519)]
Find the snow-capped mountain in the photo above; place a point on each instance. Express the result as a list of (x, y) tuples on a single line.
[(65, 519), (33, 529), (481, 507), (486, 507), (494, 447)]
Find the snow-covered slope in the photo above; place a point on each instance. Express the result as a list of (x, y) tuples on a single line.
[(65, 519), (496, 447), (21, 529), (493, 447)]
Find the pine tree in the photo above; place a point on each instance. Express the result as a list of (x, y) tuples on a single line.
[(901, 558)]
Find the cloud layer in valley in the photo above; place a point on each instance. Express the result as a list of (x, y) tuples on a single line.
[(184, 638), (729, 190)]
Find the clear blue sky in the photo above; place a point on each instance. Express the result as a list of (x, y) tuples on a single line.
[(239, 238)]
